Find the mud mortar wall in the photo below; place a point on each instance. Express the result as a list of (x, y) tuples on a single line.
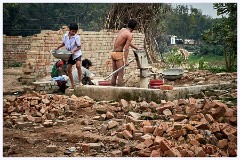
[(96, 46)]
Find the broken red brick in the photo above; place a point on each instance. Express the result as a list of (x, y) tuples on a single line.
[(38, 119), (140, 146), (130, 127), (30, 118), (166, 87), (220, 104), (179, 117), (232, 138), (116, 153), (177, 133), (123, 103), (163, 102), (148, 129), (222, 143), (182, 102), (229, 112), (233, 120), (232, 145), (199, 137), (191, 136), (202, 126), (192, 101), (222, 125), (208, 149), (232, 152), (86, 147), (199, 152), (209, 118), (173, 152), (190, 154), (208, 105), (229, 130), (148, 142), (158, 131), (158, 139), (127, 134), (156, 153), (146, 123), (178, 125), (178, 108), (164, 126), (11, 109), (165, 145), (145, 152), (126, 150), (189, 127), (183, 152), (194, 142)]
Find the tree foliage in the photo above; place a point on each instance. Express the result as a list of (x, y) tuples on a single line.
[(225, 33), (187, 23), (30, 18)]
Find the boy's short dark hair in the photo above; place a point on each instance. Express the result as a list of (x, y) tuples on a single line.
[(73, 26), (132, 23), (85, 62)]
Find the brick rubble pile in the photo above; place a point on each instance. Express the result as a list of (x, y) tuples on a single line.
[(180, 128)]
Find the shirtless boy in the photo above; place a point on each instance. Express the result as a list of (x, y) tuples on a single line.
[(123, 41)]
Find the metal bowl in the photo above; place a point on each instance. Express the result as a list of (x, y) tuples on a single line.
[(173, 74), (61, 54)]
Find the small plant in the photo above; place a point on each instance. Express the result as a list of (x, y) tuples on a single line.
[(15, 64), (173, 58), (200, 63), (191, 66)]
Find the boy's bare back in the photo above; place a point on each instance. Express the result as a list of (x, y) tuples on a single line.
[(121, 40)]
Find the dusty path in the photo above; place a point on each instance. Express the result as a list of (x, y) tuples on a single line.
[(11, 82)]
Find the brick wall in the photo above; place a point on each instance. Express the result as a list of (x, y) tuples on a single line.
[(96, 46), (15, 49)]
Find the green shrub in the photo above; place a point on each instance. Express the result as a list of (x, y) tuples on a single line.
[(216, 69), (15, 64), (173, 58)]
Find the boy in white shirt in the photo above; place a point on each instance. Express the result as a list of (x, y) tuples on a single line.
[(72, 42)]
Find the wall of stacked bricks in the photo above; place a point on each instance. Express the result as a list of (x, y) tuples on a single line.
[(96, 46), (14, 49)]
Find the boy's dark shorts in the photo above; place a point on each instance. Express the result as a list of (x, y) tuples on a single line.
[(71, 61)]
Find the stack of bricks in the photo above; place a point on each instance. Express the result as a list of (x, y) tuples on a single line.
[(14, 49), (96, 46)]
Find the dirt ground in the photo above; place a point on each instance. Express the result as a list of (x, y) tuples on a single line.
[(11, 82)]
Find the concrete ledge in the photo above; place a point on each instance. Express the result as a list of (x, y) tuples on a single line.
[(109, 93), (45, 86)]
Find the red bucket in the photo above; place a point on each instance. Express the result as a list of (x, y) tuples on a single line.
[(155, 84), (104, 83)]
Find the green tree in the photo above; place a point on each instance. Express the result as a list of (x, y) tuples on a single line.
[(30, 18), (225, 33), (178, 22), (187, 22)]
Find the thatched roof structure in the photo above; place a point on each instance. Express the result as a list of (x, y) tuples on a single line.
[(149, 17)]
